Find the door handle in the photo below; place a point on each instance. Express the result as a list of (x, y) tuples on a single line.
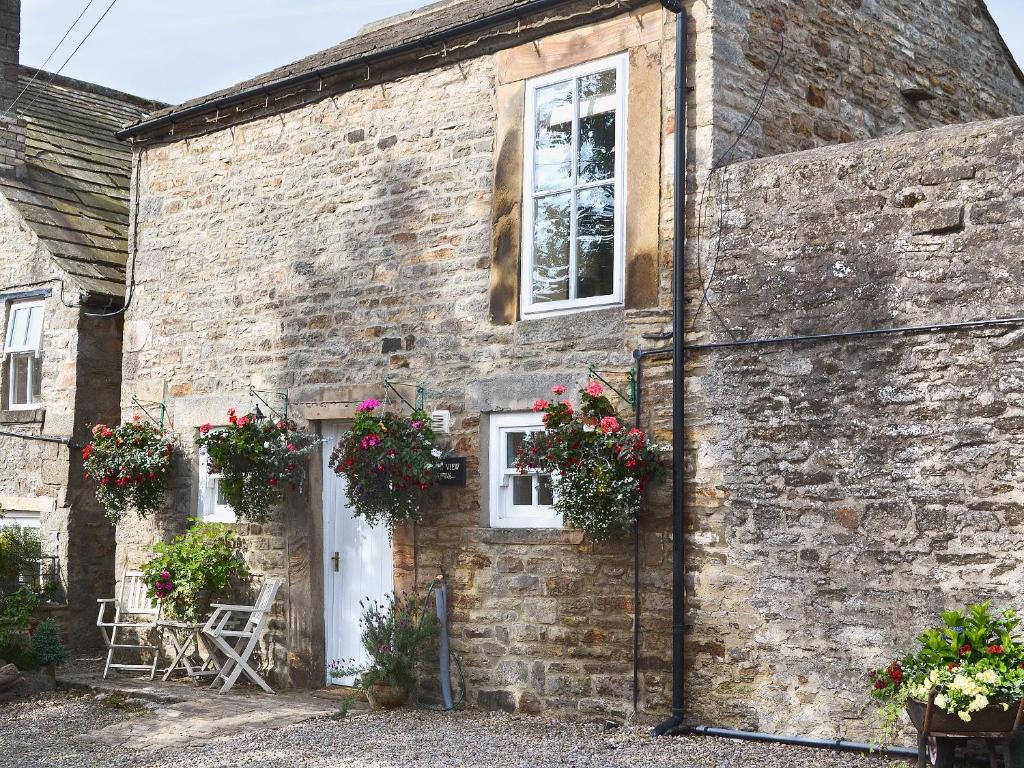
[(336, 559)]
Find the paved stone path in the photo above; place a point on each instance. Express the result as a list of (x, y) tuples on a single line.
[(184, 713)]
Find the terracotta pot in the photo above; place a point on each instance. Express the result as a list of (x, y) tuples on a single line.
[(384, 696), (992, 719)]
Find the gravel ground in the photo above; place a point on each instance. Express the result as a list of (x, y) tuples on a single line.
[(41, 732)]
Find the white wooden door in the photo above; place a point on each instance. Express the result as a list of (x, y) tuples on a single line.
[(358, 564)]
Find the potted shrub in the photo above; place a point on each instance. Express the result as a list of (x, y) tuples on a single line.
[(193, 569), (389, 463), (599, 468), (16, 610), (966, 677), (48, 649), (393, 635), (131, 465), (259, 459)]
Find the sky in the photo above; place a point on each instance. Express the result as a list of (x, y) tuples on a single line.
[(174, 51)]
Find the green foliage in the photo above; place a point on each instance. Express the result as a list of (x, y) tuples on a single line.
[(16, 614), (259, 459), (47, 645), (394, 633), (188, 573), (131, 465), (969, 662), (20, 551), (599, 468), (389, 462)]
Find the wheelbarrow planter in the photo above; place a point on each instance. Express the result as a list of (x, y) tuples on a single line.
[(938, 731)]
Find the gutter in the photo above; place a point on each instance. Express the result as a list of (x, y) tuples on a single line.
[(366, 60)]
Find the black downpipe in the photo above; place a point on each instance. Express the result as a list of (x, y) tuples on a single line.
[(676, 724), (798, 741), (678, 393), (639, 355)]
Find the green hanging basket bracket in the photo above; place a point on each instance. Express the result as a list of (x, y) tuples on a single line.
[(421, 393), (159, 421), (282, 396), (629, 396)]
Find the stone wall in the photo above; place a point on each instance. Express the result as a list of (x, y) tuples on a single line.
[(847, 491), (319, 251), (845, 66), (45, 476)]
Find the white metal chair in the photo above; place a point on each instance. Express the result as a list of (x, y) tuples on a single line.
[(239, 643), (135, 616)]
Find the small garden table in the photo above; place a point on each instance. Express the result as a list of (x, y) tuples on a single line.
[(188, 641)]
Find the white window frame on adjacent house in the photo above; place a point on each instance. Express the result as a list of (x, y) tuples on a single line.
[(528, 307), (502, 512), (207, 508), (29, 344), (21, 518)]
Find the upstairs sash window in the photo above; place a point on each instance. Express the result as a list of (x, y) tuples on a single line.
[(573, 188), (23, 354)]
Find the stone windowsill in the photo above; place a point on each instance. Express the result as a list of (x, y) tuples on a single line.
[(523, 536), (33, 416)]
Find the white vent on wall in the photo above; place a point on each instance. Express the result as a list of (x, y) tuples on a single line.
[(441, 422)]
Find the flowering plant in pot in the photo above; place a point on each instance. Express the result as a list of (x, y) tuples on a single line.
[(193, 569), (393, 635), (389, 463), (131, 465), (599, 468), (966, 676), (258, 460)]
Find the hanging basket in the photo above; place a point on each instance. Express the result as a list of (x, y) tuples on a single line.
[(259, 460), (389, 463)]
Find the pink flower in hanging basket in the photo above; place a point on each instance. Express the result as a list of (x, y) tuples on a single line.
[(594, 389), (558, 389), (367, 405), (540, 405), (610, 425)]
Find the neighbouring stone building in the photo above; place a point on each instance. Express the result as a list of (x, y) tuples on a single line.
[(64, 183), (361, 214)]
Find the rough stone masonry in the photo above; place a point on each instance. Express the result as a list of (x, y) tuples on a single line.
[(320, 248), (848, 491)]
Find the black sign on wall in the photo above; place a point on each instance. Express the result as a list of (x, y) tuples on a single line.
[(451, 470)]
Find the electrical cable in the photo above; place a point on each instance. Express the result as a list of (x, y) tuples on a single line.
[(724, 160), (42, 67), (133, 245), (72, 54)]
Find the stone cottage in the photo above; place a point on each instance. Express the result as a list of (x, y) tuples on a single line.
[(64, 183), (409, 204)]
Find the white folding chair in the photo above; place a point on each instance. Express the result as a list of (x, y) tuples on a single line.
[(135, 616), (238, 644)]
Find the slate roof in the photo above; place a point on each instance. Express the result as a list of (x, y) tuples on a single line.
[(75, 192), (432, 21), (427, 25)]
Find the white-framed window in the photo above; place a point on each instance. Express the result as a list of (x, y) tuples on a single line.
[(574, 188), (20, 518), (211, 507), (23, 354), (518, 500)]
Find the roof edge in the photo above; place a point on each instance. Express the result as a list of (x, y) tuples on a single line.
[(102, 90), (983, 4), (439, 38)]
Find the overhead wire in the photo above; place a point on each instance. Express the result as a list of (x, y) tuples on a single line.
[(71, 55), (46, 61)]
